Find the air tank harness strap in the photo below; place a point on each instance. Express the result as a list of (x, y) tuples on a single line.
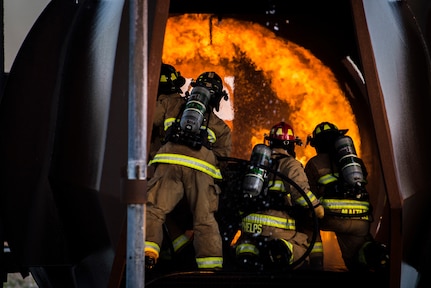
[(211, 135), (174, 133), (278, 186), (191, 162)]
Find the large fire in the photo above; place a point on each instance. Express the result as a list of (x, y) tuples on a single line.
[(268, 79)]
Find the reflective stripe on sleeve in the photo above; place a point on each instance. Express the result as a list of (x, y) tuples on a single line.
[(328, 178), (276, 185), (301, 200)]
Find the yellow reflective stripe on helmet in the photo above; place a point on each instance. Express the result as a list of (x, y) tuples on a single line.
[(211, 135), (326, 126), (301, 200), (209, 262), (332, 204), (271, 221), (187, 161), (290, 247), (328, 178), (173, 76), (163, 79), (276, 185), (246, 248)]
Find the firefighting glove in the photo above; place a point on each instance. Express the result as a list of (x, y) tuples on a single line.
[(319, 211)]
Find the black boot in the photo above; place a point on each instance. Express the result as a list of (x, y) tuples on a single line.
[(375, 256), (150, 261), (279, 254), (248, 262)]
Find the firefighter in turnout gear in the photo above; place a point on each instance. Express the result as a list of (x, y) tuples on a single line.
[(338, 177), (269, 236), (178, 227), (170, 84), (186, 167)]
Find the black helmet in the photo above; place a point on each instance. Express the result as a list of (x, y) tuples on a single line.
[(171, 80), (212, 81), (324, 136)]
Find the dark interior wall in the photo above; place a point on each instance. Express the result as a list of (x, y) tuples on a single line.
[(401, 101), (53, 124), (27, 139), (421, 10), (115, 157)]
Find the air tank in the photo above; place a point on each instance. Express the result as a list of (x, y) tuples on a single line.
[(196, 106), (257, 174), (349, 163)]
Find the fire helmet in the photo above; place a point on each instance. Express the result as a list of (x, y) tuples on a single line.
[(213, 82), (281, 135), (324, 136), (171, 80)]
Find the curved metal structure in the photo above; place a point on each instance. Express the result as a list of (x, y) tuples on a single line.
[(64, 122)]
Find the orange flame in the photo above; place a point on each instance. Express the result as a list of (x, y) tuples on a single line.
[(307, 91)]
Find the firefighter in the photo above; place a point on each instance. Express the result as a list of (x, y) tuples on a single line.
[(269, 236), (170, 84), (186, 167), (178, 223), (338, 177)]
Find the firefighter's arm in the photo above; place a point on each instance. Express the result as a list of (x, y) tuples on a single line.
[(159, 114), (312, 176), (223, 145)]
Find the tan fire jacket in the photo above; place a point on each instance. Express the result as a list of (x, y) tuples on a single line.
[(293, 169), (219, 134)]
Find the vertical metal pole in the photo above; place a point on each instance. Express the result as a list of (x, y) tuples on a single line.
[(137, 136)]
